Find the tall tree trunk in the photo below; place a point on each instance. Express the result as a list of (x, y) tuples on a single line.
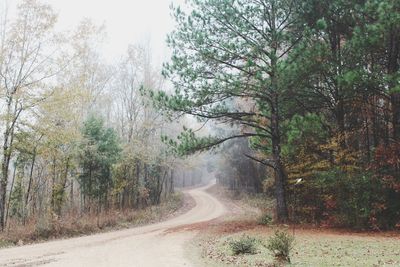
[(375, 122), (71, 193), (367, 139), (61, 190), (395, 101), (393, 67), (7, 152), (53, 185), (3, 191), (30, 177), (137, 184), (280, 174), (171, 182), (145, 174), (9, 197)]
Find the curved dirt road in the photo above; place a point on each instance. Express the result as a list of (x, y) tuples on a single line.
[(151, 245)]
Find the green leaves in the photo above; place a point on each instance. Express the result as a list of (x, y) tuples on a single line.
[(321, 24), (223, 53), (188, 143), (99, 151), (304, 132)]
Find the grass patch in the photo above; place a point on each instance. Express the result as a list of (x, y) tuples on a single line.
[(311, 248), (345, 250), (5, 244)]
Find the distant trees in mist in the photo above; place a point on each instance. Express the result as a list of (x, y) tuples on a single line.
[(77, 134)]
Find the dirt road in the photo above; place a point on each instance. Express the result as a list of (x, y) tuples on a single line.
[(151, 245)]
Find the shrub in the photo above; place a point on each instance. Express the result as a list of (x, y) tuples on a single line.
[(280, 244), (265, 219), (42, 232), (244, 245), (350, 198), (355, 199)]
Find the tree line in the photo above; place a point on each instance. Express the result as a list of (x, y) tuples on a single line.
[(314, 87), (78, 136)]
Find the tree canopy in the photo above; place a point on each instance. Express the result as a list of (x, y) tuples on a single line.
[(312, 84)]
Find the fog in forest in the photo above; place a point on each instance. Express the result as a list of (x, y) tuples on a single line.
[(160, 114)]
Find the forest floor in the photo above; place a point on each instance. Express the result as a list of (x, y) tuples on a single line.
[(313, 246), (75, 225)]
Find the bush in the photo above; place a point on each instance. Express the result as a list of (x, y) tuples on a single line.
[(355, 199), (280, 244), (265, 219), (350, 199), (244, 245)]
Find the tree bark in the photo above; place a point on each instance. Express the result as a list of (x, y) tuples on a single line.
[(280, 174), (137, 197), (395, 101), (30, 178), (392, 68), (9, 197), (171, 182), (7, 145)]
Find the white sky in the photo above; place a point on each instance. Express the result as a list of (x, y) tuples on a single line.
[(126, 21)]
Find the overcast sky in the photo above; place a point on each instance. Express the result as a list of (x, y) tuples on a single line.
[(126, 21)]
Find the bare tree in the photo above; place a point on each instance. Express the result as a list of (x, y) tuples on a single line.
[(28, 58)]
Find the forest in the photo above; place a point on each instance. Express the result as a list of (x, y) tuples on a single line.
[(296, 100), (78, 136), (314, 86)]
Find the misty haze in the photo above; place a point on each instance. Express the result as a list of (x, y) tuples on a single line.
[(199, 133)]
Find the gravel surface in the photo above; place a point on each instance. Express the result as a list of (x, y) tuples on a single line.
[(151, 245)]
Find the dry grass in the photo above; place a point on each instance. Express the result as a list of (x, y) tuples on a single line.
[(82, 224), (313, 246)]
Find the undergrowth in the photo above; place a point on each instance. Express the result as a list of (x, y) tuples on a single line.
[(244, 245), (70, 225)]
